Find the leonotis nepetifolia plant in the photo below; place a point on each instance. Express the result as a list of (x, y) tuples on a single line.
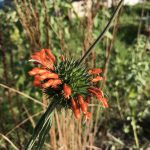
[(67, 83)]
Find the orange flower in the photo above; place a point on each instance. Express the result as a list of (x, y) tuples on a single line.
[(51, 83), (36, 56), (50, 55), (75, 109), (55, 77), (56, 82), (67, 90), (104, 102), (47, 84), (95, 71), (98, 93), (42, 71), (82, 103), (36, 81), (77, 113), (87, 115), (44, 57), (96, 79), (36, 71), (48, 75), (88, 99), (33, 72)]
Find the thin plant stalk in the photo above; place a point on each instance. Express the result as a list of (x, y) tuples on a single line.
[(103, 32), (133, 124)]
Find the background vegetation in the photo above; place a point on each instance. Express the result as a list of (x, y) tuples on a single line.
[(123, 54)]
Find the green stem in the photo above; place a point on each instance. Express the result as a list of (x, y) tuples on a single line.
[(103, 32), (42, 127)]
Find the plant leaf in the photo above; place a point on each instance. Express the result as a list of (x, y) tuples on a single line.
[(42, 127), (43, 133)]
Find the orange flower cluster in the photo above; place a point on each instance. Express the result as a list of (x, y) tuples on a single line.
[(44, 57), (46, 76), (47, 60), (83, 104)]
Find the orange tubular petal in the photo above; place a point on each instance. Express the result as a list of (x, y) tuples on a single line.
[(52, 75), (97, 94), (37, 56), (36, 71), (95, 71), (77, 113), (88, 99), (50, 55), (42, 71), (56, 82), (73, 104), (48, 64), (88, 115), (47, 84), (44, 76), (80, 99), (75, 109), (52, 83), (67, 90), (96, 79), (84, 107), (44, 57), (104, 102), (33, 72), (82, 103), (36, 81), (48, 75)]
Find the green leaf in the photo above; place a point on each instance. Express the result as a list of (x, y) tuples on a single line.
[(43, 125), (43, 134)]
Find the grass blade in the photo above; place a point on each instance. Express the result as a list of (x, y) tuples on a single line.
[(42, 127)]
